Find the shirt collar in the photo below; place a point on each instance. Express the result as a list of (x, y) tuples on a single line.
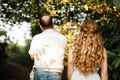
[(49, 30)]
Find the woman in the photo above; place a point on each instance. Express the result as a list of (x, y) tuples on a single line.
[(87, 55)]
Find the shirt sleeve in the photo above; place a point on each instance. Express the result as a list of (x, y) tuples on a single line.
[(33, 46)]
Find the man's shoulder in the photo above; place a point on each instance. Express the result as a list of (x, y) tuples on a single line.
[(37, 35), (63, 36)]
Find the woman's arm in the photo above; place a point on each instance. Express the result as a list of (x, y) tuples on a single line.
[(104, 68), (70, 64)]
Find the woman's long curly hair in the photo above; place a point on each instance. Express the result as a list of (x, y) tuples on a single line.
[(88, 48)]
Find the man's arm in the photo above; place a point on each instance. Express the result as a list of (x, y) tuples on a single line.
[(32, 51)]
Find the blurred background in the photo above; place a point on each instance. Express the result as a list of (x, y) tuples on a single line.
[(19, 22)]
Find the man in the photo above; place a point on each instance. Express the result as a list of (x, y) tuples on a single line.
[(47, 49)]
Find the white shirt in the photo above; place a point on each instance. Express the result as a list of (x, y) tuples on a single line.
[(49, 48)]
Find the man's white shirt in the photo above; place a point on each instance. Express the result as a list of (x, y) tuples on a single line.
[(49, 48)]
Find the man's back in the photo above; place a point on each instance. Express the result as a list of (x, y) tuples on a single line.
[(50, 48)]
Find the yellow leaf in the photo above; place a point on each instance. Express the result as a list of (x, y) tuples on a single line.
[(86, 7)]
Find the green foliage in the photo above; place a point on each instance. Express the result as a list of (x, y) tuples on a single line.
[(114, 65), (15, 10), (3, 45), (2, 33), (14, 48), (116, 3), (3, 36), (35, 28), (19, 54), (3, 54), (69, 31), (111, 37)]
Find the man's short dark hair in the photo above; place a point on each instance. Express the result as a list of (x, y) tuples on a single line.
[(46, 22)]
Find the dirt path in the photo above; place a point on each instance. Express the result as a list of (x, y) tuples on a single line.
[(17, 72)]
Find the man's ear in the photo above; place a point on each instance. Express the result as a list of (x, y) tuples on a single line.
[(52, 24), (41, 28)]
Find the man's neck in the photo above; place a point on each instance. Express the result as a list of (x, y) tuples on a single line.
[(46, 29)]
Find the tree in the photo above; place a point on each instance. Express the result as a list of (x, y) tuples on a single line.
[(3, 45), (15, 10)]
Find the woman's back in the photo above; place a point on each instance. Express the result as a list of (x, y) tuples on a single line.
[(77, 75)]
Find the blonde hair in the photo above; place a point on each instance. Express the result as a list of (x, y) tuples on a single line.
[(88, 48)]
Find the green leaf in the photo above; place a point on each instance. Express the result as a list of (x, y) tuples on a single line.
[(117, 3), (2, 33), (86, 7), (110, 53), (116, 63), (110, 67)]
